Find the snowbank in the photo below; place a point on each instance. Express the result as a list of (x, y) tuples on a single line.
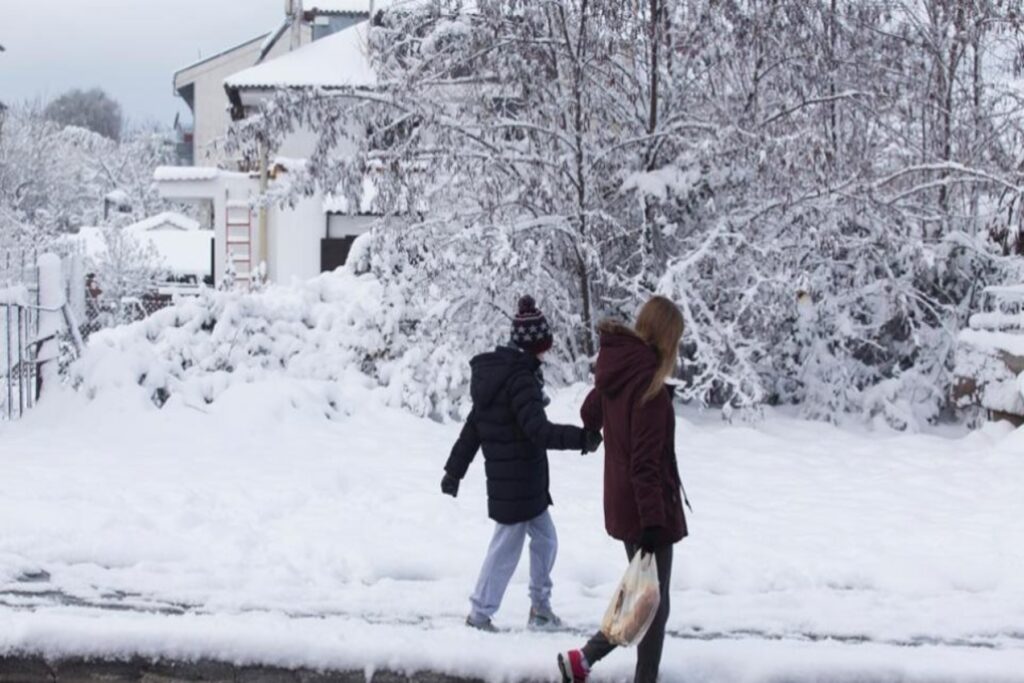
[(339, 326), (256, 530)]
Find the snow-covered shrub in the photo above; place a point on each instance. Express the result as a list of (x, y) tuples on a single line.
[(338, 327), (126, 270)]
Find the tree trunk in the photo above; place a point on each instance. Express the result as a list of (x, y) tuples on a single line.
[(651, 244), (976, 133), (833, 122), (581, 187)]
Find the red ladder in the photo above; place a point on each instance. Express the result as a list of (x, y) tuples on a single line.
[(238, 242)]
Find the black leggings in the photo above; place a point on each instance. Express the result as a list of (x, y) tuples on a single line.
[(648, 655)]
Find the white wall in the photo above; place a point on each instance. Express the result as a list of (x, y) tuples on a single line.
[(295, 236), (297, 145)]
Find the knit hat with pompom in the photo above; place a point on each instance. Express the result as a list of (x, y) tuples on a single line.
[(530, 330)]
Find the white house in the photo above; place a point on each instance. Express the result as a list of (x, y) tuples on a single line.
[(327, 50), (201, 84)]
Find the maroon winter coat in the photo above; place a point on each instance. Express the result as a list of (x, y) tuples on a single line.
[(641, 478)]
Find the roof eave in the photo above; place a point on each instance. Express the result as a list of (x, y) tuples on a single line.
[(334, 13), (234, 93), (216, 56)]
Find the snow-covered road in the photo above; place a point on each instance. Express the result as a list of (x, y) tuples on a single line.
[(256, 530)]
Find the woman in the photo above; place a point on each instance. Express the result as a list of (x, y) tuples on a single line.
[(642, 502)]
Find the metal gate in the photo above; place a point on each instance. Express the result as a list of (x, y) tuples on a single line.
[(19, 382), (22, 344)]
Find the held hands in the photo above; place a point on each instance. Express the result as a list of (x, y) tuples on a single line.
[(450, 485), (591, 441)]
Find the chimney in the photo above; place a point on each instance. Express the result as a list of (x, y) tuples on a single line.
[(295, 13)]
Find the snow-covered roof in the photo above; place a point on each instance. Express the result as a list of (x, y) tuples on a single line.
[(347, 6), (337, 61), (338, 7), (175, 221), (184, 252), (184, 173), (118, 196), (220, 54), (1006, 291)]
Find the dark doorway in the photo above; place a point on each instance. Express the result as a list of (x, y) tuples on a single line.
[(334, 252)]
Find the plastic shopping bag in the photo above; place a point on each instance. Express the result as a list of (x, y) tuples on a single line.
[(634, 604)]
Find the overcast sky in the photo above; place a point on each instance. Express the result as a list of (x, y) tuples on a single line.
[(130, 48)]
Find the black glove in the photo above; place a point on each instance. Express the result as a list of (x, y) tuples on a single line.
[(591, 440), (450, 485), (648, 540)]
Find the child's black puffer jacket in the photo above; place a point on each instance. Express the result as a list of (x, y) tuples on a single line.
[(509, 422)]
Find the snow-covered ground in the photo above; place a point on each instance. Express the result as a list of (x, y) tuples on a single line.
[(259, 529)]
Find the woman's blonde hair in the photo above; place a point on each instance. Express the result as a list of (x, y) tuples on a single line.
[(660, 325)]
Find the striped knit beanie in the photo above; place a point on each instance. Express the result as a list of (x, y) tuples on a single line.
[(530, 330)]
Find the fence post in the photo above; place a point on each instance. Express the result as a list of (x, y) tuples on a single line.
[(51, 299), (76, 286), (9, 375)]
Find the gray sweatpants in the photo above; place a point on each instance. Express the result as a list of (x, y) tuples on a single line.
[(503, 557)]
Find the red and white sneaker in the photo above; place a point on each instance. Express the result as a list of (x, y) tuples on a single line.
[(573, 666)]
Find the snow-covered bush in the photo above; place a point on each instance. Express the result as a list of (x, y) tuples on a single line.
[(126, 270), (340, 326)]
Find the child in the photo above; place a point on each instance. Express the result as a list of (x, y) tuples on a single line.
[(509, 422)]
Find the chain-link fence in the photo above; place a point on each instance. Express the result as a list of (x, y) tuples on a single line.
[(101, 313)]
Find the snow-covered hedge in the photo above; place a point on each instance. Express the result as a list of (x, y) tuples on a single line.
[(338, 327)]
